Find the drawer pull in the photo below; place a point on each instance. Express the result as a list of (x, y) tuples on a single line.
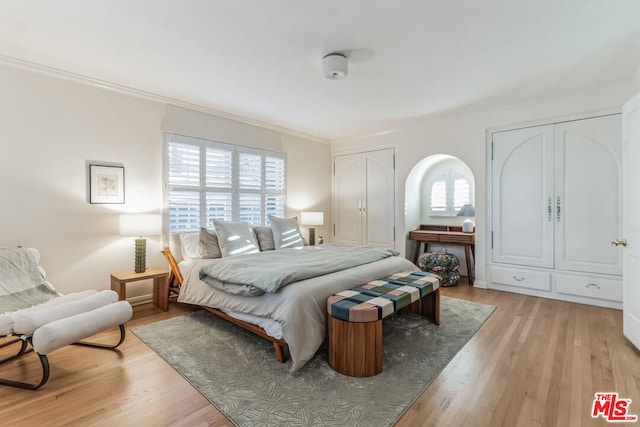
[(592, 285), (518, 279)]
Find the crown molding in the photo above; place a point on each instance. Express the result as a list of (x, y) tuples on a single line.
[(125, 90)]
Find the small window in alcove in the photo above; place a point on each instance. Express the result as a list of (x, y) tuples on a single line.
[(448, 191)]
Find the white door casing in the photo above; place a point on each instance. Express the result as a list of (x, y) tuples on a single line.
[(631, 220)]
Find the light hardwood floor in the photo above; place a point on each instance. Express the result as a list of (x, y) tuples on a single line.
[(535, 362)]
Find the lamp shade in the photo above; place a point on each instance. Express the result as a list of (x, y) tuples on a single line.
[(312, 218), (140, 225), (467, 210)]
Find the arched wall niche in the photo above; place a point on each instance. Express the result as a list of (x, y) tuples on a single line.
[(416, 210)]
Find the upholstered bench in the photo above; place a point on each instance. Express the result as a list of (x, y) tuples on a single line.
[(355, 318)]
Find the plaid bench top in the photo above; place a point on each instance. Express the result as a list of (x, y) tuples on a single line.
[(380, 298)]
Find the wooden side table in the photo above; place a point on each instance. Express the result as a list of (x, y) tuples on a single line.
[(160, 285), (452, 235)]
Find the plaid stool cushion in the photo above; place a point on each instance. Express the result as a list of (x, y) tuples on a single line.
[(380, 298), (443, 264)]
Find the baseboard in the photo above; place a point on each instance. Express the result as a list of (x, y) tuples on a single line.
[(482, 284)]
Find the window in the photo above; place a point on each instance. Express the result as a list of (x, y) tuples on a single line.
[(207, 180), (448, 191)]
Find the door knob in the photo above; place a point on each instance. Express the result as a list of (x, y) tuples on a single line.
[(621, 242)]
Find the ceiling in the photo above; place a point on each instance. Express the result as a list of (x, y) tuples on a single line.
[(261, 60)]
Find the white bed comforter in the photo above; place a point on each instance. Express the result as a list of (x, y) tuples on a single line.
[(299, 308)]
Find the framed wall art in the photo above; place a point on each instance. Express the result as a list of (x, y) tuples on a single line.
[(106, 184)]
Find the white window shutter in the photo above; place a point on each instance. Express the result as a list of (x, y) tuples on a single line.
[(219, 206), (219, 163), (250, 208), (274, 174), (249, 171), (461, 193), (184, 211), (450, 190), (184, 164), (207, 180), (439, 196)]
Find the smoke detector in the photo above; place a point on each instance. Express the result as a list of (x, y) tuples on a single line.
[(335, 66)]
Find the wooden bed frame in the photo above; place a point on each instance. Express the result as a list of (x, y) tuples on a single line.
[(175, 283)]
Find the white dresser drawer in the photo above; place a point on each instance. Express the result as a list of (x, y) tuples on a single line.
[(539, 280), (609, 289)]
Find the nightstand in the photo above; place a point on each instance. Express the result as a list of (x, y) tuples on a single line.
[(160, 284)]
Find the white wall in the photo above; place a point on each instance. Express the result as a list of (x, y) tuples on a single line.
[(309, 181), (51, 128), (463, 135)]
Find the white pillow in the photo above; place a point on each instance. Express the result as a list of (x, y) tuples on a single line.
[(235, 238), (189, 243), (209, 246), (286, 232)]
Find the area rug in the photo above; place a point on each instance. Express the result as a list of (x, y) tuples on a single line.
[(238, 372)]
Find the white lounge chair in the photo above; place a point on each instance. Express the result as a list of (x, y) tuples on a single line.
[(38, 318)]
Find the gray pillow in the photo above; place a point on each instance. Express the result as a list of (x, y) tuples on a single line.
[(265, 238), (235, 238), (208, 245), (286, 232)]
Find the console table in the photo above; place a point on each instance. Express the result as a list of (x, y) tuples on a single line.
[(448, 234)]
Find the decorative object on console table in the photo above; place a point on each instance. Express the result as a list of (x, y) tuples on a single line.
[(140, 225), (312, 218), (467, 211)]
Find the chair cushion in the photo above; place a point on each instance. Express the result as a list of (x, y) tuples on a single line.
[(27, 321), (7, 320), (380, 298), (71, 329)]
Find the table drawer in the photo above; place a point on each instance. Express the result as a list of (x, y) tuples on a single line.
[(461, 239), (590, 286), (423, 237), (539, 280)]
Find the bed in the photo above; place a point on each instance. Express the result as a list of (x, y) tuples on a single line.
[(294, 317)]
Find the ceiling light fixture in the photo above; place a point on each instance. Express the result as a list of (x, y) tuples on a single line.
[(335, 66)]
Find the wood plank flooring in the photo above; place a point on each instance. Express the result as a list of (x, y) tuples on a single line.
[(535, 362)]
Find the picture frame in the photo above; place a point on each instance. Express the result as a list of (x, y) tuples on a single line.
[(106, 184)]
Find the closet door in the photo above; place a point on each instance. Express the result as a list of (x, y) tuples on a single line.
[(347, 199), (588, 195), (523, 210), (379, 199), (364, 198)]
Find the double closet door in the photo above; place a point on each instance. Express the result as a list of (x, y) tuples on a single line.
[(364, 198), (556, 196)]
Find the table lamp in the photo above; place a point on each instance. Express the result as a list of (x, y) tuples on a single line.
[(140, 225), (312, 218), (467, 211)]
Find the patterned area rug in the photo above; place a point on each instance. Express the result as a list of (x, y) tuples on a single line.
[(238, 372)]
